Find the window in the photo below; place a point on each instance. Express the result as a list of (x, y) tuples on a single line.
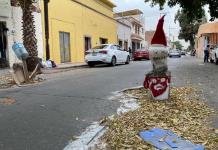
[(136, 28), (103, 41)]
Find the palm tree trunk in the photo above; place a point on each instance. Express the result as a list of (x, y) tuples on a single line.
[(29, 36)]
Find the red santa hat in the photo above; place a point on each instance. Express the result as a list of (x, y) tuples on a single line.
[(159, 36)]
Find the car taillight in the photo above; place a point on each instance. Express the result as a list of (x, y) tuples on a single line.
[(103, 52)]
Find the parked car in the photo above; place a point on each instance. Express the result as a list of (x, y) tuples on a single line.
[(214, 55), (141, 54), (107, 54), (174, 53), (183, 52)]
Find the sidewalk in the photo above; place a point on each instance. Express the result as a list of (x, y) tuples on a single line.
[(6, 80), (63, 67)]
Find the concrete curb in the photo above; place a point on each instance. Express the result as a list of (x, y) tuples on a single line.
[(63, 69)]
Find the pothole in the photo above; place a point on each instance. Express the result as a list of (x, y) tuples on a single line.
[(7, 101)]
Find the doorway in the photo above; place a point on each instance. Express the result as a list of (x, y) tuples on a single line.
[(103, 41), (3, 45), (126, 45), (64, 38), (133, 46), (88, 44)]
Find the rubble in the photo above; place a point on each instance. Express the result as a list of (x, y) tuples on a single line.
[(6, 80)]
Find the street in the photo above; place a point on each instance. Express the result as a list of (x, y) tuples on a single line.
[(47, 116)]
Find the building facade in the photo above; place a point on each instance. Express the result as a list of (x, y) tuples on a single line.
[(207, 35), (136, 20), (11, 31), (77, 25), (124, 35), (148, 37)]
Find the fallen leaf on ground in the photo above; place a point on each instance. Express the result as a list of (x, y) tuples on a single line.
[(183, 113), (7, 101)]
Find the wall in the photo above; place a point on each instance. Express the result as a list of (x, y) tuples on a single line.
[(79, 21), (14, 24), (124, 33), (148, 37), (206, 31)]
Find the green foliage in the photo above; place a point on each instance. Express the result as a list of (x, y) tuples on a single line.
[(188, 28), (178, 45), (193, 8)]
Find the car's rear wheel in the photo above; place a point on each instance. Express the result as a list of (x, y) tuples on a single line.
[(127, 60), (91, 64), (113, 61)]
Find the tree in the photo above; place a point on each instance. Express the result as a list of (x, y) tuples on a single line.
[(188, 28), (178, 45), (193, 8), (28, 27)]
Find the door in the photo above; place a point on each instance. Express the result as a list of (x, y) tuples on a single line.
[(133, 46), (3, 45), (123, 55), (64, 38), (119, 54), (121, 43), (126, 45), (88, 44)]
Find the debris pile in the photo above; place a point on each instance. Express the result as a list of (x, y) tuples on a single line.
[(183, 113), (7, 101), (6, 81)]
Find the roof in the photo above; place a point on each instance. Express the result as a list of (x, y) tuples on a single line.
[(134, 20), (123, 23), (208, 28), (109, 3), (128, 13)]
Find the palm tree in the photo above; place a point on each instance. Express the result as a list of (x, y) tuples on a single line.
[(28, 27)]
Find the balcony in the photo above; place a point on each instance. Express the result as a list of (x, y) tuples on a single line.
[(136, 37)]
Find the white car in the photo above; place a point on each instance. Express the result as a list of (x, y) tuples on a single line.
[(174, 53), (214, 55), (107, 54)]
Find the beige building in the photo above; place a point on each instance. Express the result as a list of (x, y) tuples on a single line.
[(135, 19), (148, 37), (207, 35)]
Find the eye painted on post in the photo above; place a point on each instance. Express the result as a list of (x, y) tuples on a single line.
[(154, 81), (163, 80)]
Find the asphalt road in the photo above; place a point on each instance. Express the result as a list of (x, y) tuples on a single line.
[(47, 116)]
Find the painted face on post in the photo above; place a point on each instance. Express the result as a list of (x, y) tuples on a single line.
[(157, 85)]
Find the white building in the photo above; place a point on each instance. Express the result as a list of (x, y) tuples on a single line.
[(11, 31), (124, 34), (135, 19)]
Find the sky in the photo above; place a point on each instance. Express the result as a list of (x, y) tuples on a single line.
[(152, 15)]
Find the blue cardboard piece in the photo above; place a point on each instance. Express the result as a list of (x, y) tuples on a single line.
[(165, 139)]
